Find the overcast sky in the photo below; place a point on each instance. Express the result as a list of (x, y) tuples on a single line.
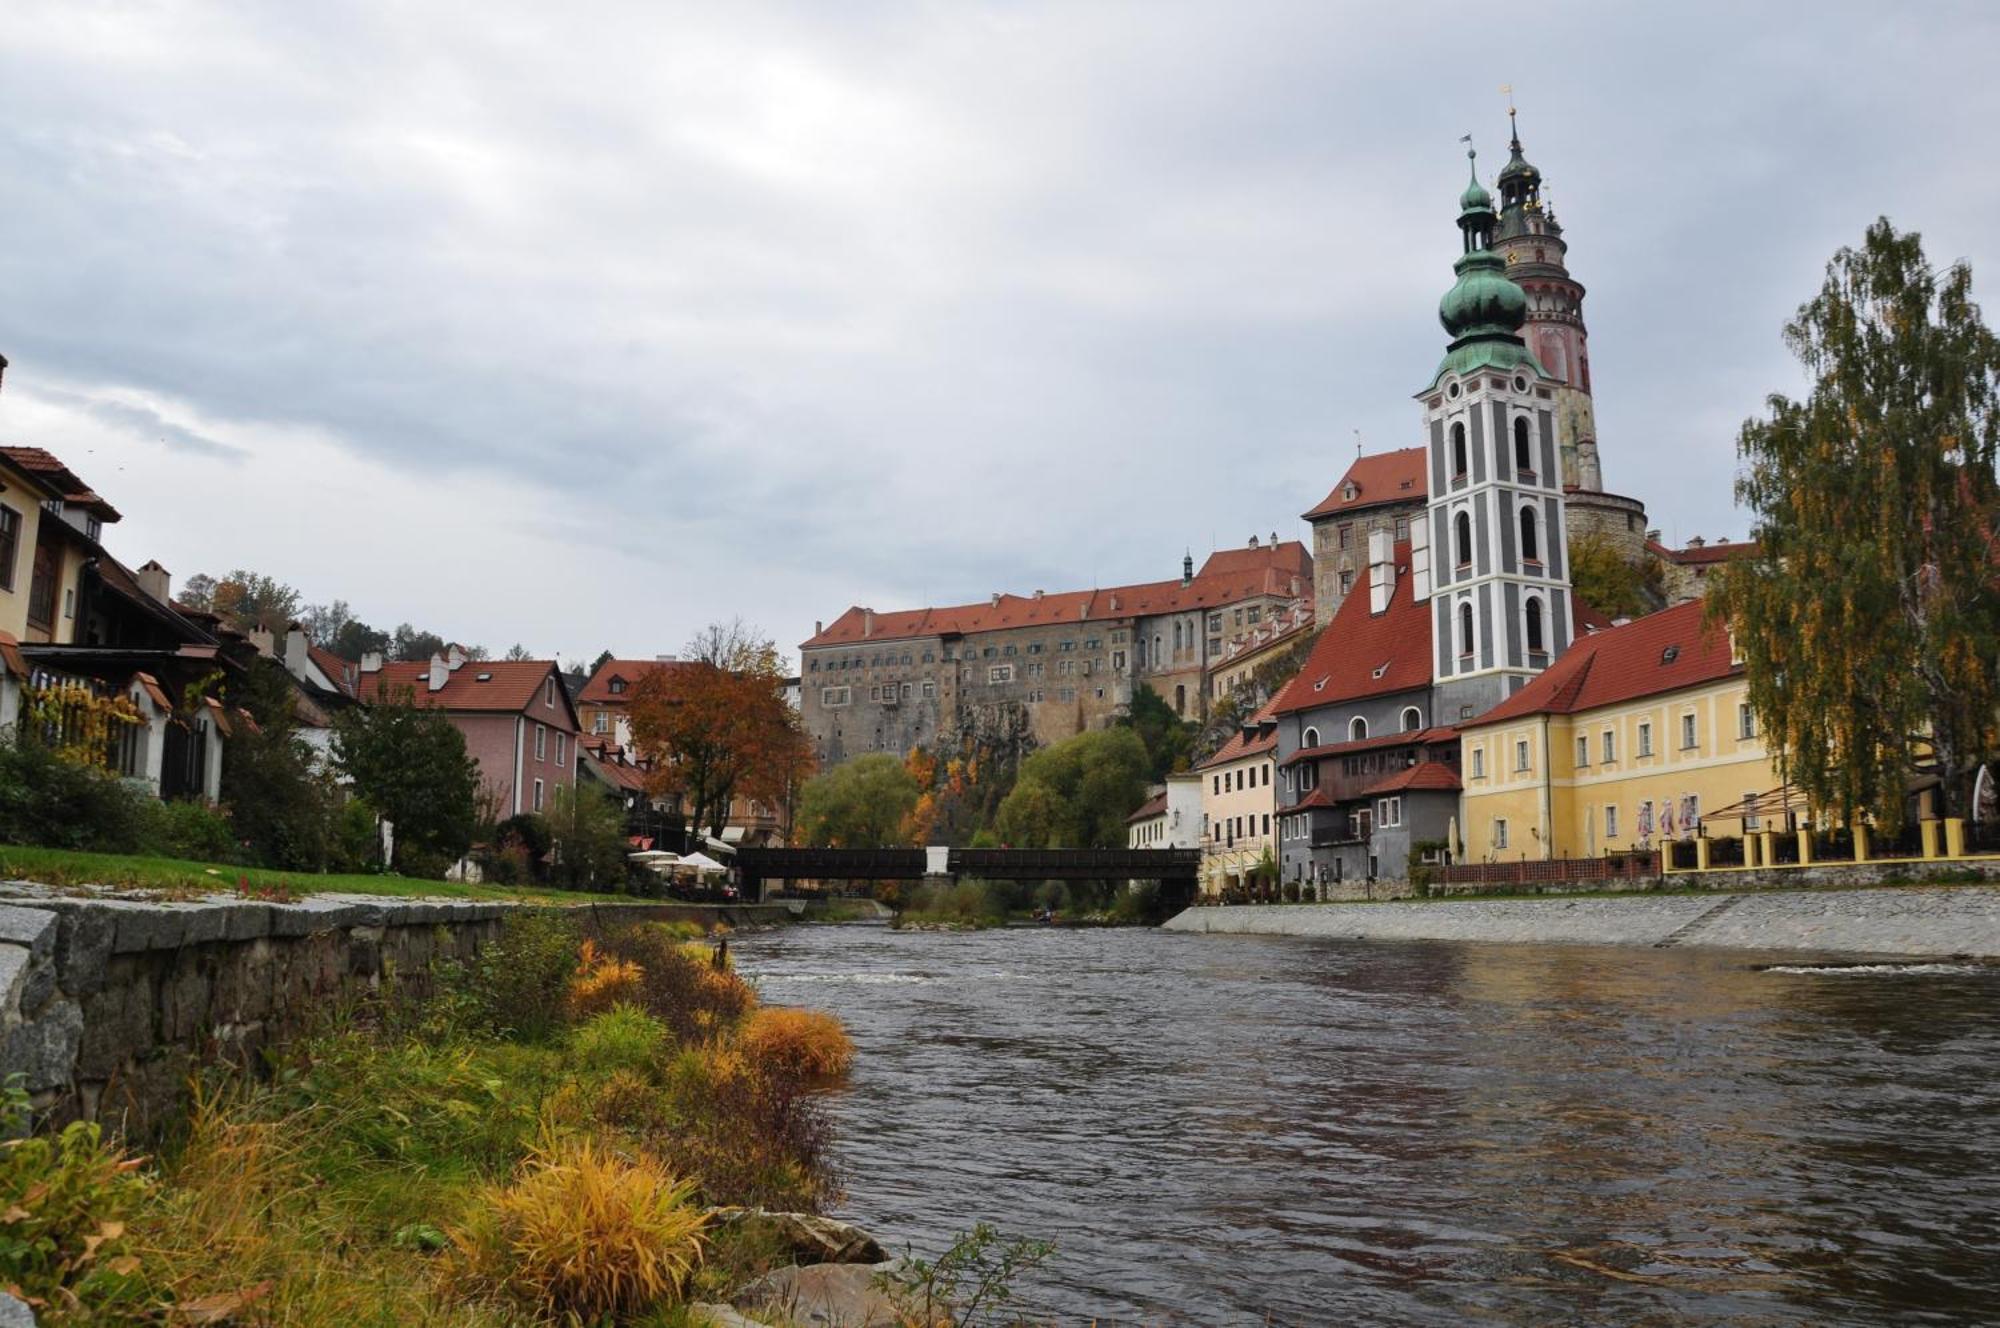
[(582, 325)]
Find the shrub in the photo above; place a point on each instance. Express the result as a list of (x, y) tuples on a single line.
[(520, 983), (53, 803), (622, 1039), (747, 1137), (580, 1232), (65, 1200), (187, 829), (601, 982), (805, 1046), (686, 990)]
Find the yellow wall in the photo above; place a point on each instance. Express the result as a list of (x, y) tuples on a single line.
[(1557, 808), (26, 500), (1255, 804)]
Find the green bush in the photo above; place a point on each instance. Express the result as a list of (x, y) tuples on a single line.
[(52, 803), (357, 838), (187, 829), (65, 1201), (518, 984), (622, 1038)]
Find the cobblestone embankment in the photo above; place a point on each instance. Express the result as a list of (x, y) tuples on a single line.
[(1959, 920)]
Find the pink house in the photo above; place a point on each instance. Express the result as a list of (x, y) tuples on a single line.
[(517, 719)]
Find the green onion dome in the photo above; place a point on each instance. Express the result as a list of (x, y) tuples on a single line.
[(1483, 300)]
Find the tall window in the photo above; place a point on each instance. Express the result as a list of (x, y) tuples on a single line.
[(1458, 451), (1687, 732), (10, 545), (1610, 744), (1536, 643), (1413, 719), (1746, 720), (1645, 740), (1611, 822), (1357, 729), (541, 741), (1521, 754), (1465, 631), (1524, 458), (1479, 763), (1583, 750), (1499, 834), (1311, 738), (1531, 549), (1463, 527)]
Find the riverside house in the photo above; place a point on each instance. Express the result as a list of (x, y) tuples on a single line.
[(1236, 808), (1627, 742), (515, 714)]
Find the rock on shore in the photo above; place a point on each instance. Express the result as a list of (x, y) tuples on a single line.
[(1903, 920)]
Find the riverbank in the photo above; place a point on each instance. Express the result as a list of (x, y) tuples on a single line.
[(1899, 921)]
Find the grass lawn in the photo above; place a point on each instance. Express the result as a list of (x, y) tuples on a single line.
[(63, 867)]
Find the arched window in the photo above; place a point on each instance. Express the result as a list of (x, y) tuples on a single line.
[(1465, 630), (1458, 466), (1310, 738), (1357, 729), (1464, 528), (1531, 550), (1536, 640), (1180, 698), (1524, 459), (1413, 719)]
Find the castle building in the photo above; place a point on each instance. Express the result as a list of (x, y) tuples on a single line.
[(1529, 240)]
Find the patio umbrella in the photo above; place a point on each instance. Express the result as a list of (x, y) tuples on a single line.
[(701, 862)]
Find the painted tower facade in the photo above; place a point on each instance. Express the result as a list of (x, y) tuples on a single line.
[(1496, 549), (1530, 241)]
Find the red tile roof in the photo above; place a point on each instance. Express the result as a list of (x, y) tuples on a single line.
[(1662, 652), (1424, 777), (1401, 476), (1719, 552), (598, 689), (1258, 735), (1282, 570), (1362, 654), (344, 673), (1151, 807), (1419, 738), (486, 685), (59, 479)]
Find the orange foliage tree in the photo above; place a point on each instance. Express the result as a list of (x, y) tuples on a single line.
[(718, 726)]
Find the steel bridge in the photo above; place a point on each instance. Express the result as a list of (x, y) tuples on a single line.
[(1176, 869)]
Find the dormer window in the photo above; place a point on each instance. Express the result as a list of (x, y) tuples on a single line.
[(1349, 492), (617, 686)]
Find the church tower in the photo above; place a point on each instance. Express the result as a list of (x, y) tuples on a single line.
[(1495, 565), (1530, 241)]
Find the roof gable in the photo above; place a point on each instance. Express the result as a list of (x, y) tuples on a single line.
[(1401, 476), (482, 686), (1662, 652)]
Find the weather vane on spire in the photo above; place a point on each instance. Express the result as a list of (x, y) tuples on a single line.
[(1470, 151), (1513, 130)]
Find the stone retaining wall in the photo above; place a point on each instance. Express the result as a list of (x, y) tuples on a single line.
[(107, 1003)]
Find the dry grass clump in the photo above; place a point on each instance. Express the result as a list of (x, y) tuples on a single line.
[(581, 1231), (804, 1046), (601, 982), (680, 984)]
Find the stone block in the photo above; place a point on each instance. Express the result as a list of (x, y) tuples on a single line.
[(14, 966), (14, 1313), (83, 947), (186, 989), (39, 985), (45, 1048), (314, 915), (117, 1024), (33, 927), (146, 927)]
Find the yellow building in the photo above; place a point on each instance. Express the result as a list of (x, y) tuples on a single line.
[(1237, 805), (50, 522), (1626, 742)]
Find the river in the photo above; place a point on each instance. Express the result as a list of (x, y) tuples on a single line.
[(1248, 1130)]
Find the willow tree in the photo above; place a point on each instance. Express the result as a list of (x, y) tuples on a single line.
[(1867, 617)]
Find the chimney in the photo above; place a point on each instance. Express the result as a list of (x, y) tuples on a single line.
[(1114, 604), (666, 659), (454, 655), (1253, 541), (371, 661), (868, 622), (1038, 594), (1381, 570), (996, 599), (819, 627), (265, 643), (1274, 539), (154, 579), (1722, 539), (296, 657), (1696, 541), (440, 673), (1653, 535)]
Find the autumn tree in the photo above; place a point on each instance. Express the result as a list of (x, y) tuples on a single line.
[(1867, 616), (718, 725), (862, 803)]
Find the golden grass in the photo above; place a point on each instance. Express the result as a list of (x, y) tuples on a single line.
[(601, 982), (805, 1046), (585, 1232)]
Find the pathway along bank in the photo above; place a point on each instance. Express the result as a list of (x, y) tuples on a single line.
[(1899, 920)]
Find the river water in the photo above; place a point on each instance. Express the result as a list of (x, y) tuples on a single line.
[(1247, 1130)]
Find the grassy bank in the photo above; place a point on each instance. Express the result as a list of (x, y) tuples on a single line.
[(54, 866), (538, 1143)]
